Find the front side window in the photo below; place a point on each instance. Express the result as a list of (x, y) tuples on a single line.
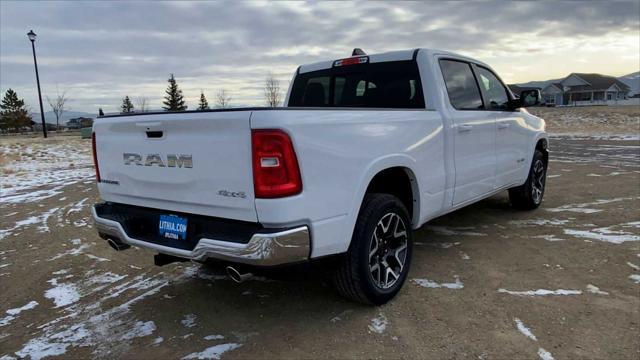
[(461, 85), (494, 89), (393, 84)]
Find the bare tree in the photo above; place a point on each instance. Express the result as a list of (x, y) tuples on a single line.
[(222, 99), (143, 103), (272, 92), (58, 105)]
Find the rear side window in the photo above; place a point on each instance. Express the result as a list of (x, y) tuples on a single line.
[(394, 84), (461, 85)]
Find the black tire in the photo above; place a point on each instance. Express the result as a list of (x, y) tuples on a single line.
[(529, 195), (354, 277)]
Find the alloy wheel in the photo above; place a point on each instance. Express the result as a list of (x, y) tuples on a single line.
[(388, 251), (537, 183)]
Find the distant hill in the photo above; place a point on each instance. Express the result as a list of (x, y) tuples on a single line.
[(50, 117), (633, 81), (541, 84)]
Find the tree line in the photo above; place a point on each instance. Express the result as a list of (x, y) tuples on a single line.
[(14, 114), (174, 99)]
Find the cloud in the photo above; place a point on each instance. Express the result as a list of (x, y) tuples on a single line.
[(102, 51)]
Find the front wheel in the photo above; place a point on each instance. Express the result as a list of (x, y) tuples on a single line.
[(378, 261), (529, 195)]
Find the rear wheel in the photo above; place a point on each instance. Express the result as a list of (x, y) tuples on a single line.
[(529, 195), (379, 257)]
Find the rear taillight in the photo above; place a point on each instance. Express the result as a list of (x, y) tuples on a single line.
[(275, 166), (95, 156)]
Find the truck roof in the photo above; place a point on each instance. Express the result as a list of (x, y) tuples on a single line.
[(398, 55)]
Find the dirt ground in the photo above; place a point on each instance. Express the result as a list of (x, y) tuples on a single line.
[(486, 281), (591, 120)]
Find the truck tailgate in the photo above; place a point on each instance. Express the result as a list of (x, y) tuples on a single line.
[(197, 163)]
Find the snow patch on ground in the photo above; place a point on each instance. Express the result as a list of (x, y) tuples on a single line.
[(105, 330), (634, 266), (77, 207), (541, 292), (13, 313), (585, 208), (96, 258), (189, 320), (539, 222), (106, 278), (548, 237), (579, 136), (544, 354), (213, 337), (31, 165), (432, 284), (72, 252), (607, 234), (32, 304), (139, 329), (635, 278), (214, 352), (379, 324), (596, 290), (62, 294), (524, 329), (41, 219)]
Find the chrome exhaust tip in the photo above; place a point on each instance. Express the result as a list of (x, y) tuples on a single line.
[(236, 276), (117, 245)]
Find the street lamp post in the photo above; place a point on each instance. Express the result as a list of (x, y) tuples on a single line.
[(32, 37)]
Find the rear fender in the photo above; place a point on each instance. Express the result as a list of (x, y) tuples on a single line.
[(375, 167)]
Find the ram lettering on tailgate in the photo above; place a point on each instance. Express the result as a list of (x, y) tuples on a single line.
[(172, 160)]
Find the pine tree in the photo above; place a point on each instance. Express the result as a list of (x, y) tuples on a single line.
[(13, 112), (173, 101), (127, 105), (204, 104)]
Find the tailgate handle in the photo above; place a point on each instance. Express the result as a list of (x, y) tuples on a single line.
[(154, 134)]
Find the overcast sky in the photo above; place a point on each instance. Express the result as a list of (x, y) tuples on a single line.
[(101, 51)]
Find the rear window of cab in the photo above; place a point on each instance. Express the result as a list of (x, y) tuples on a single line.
[(393, 84)]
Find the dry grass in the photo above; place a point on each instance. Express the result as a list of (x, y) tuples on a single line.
[(591, 120)]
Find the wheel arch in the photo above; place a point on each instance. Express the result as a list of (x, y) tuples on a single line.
[(542, 144), (540, 141), (389, 163), (400, 182)]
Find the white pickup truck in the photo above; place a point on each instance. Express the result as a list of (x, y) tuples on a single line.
[(366, 149)]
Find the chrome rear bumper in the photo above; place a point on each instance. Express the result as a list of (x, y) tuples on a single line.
[(268, 249)]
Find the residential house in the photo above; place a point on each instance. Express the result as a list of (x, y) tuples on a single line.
[(79, 123), (585, 89)]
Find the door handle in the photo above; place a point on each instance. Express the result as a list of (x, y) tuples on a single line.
[(503, 125), (465, 128)]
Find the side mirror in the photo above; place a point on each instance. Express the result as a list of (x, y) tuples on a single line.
[(530, 98)]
